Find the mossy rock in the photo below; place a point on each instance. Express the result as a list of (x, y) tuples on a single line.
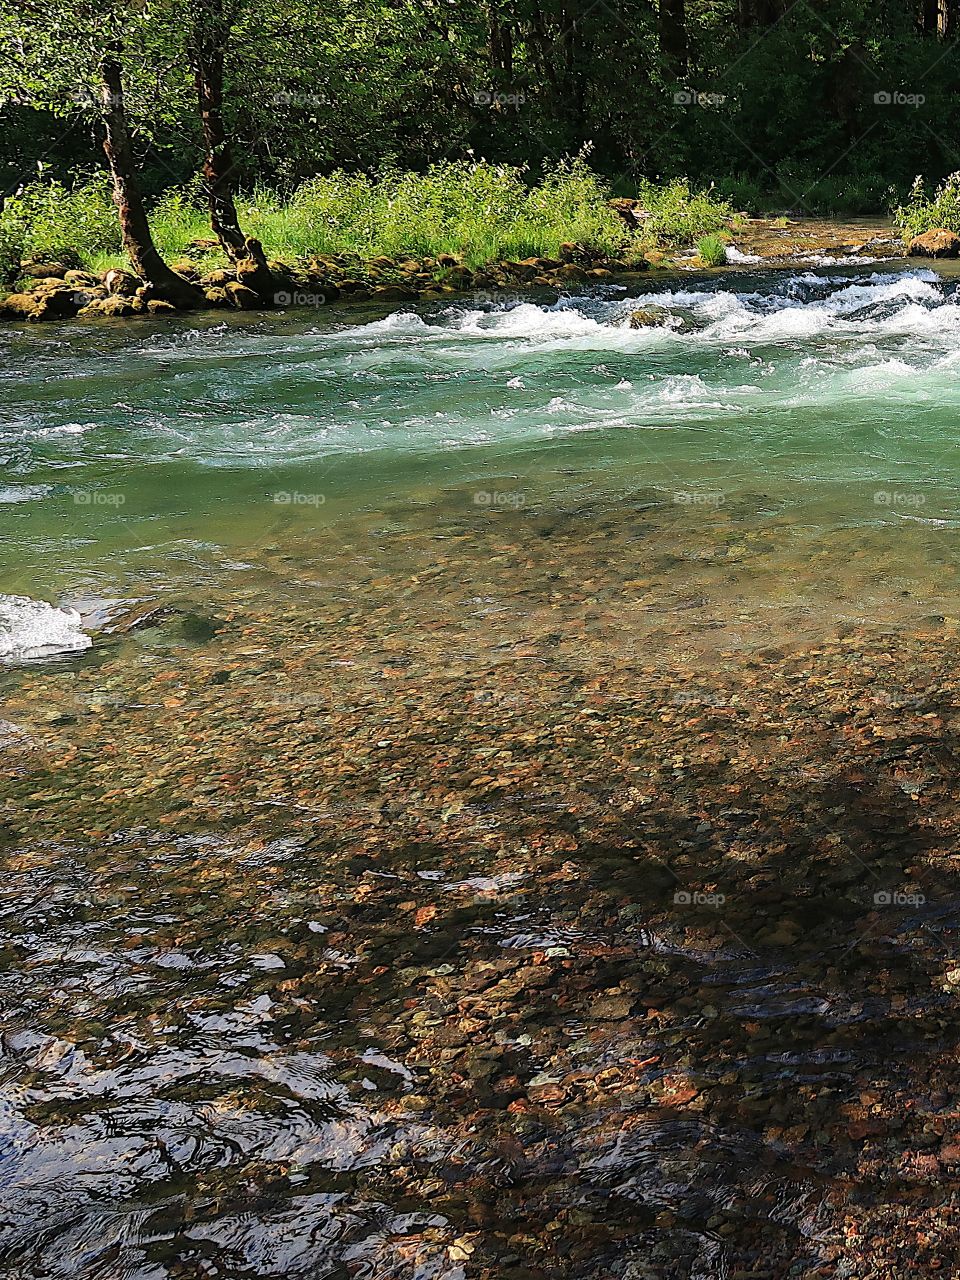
[(216, 297), (938, 243), (393, 293), (571, 273), (26, 306), (216, 279), (648, 318), (122, 283), (114, 307), (184, 267), (84, 279), (54, 300), (34, 268), (242, 297), (460, 277), (157, 307)]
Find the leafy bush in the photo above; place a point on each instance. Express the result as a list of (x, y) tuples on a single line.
[(921, 213), (680, 215)]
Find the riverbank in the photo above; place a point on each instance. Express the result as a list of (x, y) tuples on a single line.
[(54, 291)]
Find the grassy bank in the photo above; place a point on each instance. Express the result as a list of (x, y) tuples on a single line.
[(475, 211)]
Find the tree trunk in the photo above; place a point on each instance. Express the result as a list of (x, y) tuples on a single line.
[(673, 37), (134, 228), (218, 166)]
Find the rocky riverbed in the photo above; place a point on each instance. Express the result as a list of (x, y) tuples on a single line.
[(507, 908)]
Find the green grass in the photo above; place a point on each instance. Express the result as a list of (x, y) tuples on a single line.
[(928, 213), (712, 251), (477, 211)]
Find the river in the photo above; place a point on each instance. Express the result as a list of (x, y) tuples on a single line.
[(478, 785)]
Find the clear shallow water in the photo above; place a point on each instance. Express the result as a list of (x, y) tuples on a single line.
[(825, 400), (342, 939)]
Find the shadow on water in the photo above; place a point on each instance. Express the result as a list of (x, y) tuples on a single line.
[(702, 1030)]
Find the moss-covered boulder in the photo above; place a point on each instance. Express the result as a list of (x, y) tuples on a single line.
[(571, 273), (216, 279), (82, 279), (51, 299), (648, 318), (393, 293), (39, 268), (242, 297), (115, 307), (121, 283)]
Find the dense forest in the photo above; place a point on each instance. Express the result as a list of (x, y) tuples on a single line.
[(817, 107)]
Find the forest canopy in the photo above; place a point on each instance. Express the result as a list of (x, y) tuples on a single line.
[(813, 107)]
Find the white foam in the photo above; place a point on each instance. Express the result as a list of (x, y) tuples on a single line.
[(23, 492), (734, 255), (32, 630)]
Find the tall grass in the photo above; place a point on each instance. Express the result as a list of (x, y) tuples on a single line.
[(477, 211), (46, 220)]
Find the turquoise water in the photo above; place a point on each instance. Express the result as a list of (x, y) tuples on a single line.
[(811, 405)]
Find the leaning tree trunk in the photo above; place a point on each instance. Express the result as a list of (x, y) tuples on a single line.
[(218, 165), (134, 228)]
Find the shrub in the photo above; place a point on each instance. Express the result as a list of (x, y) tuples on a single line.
[(920, 213), (679, 215)]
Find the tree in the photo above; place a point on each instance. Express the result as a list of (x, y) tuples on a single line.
[(134, 227), (70, 56), (210, 24)]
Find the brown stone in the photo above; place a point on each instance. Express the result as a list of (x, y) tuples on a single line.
[(241, 297), (938, 243)]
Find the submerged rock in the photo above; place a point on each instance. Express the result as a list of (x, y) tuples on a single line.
[(648, 318)]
